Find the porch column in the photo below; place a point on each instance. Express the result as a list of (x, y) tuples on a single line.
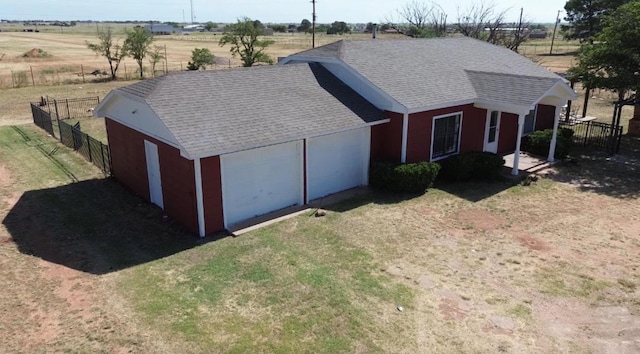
[(554, 137), (516, 156)]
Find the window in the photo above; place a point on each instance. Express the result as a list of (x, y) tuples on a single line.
[(530, 122), (493, 126), (446, 135)]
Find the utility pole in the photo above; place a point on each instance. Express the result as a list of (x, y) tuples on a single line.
[(313, 25), (191, 11), (553, 38)]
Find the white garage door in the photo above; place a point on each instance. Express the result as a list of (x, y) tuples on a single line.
[(259, 181), (337, 162)]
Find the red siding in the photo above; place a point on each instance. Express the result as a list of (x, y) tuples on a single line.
[(420, 124), (508, 133), (212, 194), (130, 168), (386, 139), (545, 116)]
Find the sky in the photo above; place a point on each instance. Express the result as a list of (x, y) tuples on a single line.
[(274, 11)]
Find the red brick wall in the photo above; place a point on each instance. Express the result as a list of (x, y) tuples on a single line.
[(212, 194), (386, 139), (130, 168), (420, 124)]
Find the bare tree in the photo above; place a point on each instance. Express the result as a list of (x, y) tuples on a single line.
[(109, 48), (424, 19), (484, 21), (155, 56)]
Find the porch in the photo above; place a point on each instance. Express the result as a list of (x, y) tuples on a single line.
[(527, 163)]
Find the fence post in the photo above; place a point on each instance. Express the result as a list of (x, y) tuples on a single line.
[(586, 135), (89, 148), (13, 81), (33, 82), (104, 167), (68, 112), (82, 70)]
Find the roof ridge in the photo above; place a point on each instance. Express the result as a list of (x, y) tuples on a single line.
[(511, 75)]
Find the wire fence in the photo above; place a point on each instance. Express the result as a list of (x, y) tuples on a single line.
[(72, 136), (596, 135)]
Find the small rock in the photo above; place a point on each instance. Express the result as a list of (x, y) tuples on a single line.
[(400, 308), (320, 213)]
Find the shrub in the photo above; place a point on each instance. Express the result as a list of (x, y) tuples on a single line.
[(403, 178), (473, 165), (539, 141)]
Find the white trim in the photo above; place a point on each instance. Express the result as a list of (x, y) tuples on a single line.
[(405, 137), (516, 156), (199, 197), (433, 126), (502, 107), (562, 85), (554, 137), (224, 152), (487, 128)]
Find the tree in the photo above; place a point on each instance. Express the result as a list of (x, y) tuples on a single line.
[(257, 24), (305, 26), (613, 61), (137, 45), (279, 28), (155, 56), (339, 27), (210, 25), (109, 48), (485, 22), (585, 17), (425, 19), (200, 58), (243, 37)]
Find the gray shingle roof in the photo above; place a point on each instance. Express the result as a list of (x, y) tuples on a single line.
[(211, 112), (428, 72)]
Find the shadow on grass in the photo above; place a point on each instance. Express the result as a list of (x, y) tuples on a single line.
[(94, 226), (616, 176), (475, 191)]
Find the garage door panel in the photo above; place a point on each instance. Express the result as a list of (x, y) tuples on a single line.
[(259, 181), (337, 162)]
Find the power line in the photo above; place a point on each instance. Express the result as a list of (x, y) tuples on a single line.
[(313, 25)]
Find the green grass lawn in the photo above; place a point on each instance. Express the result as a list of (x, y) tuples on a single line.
[(478, 267)]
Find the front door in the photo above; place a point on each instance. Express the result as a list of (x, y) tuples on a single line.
[(492, 131)]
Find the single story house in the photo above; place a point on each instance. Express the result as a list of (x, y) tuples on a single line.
[(278, 136)]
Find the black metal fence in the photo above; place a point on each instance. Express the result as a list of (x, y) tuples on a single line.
[(597, 135), (42, 118), (72, 136), (68, 108)]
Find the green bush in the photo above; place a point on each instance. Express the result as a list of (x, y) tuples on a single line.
[(539, 141), (472, 165), (403, 178)]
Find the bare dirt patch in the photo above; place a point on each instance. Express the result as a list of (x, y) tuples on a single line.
[(478, 219), (532, 242)]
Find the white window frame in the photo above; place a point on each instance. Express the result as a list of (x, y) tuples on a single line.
[(433, 129), (535, 118)]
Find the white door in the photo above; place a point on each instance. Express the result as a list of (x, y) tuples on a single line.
[(337, 162), (492, 131), (153, 173), (259, 181)]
